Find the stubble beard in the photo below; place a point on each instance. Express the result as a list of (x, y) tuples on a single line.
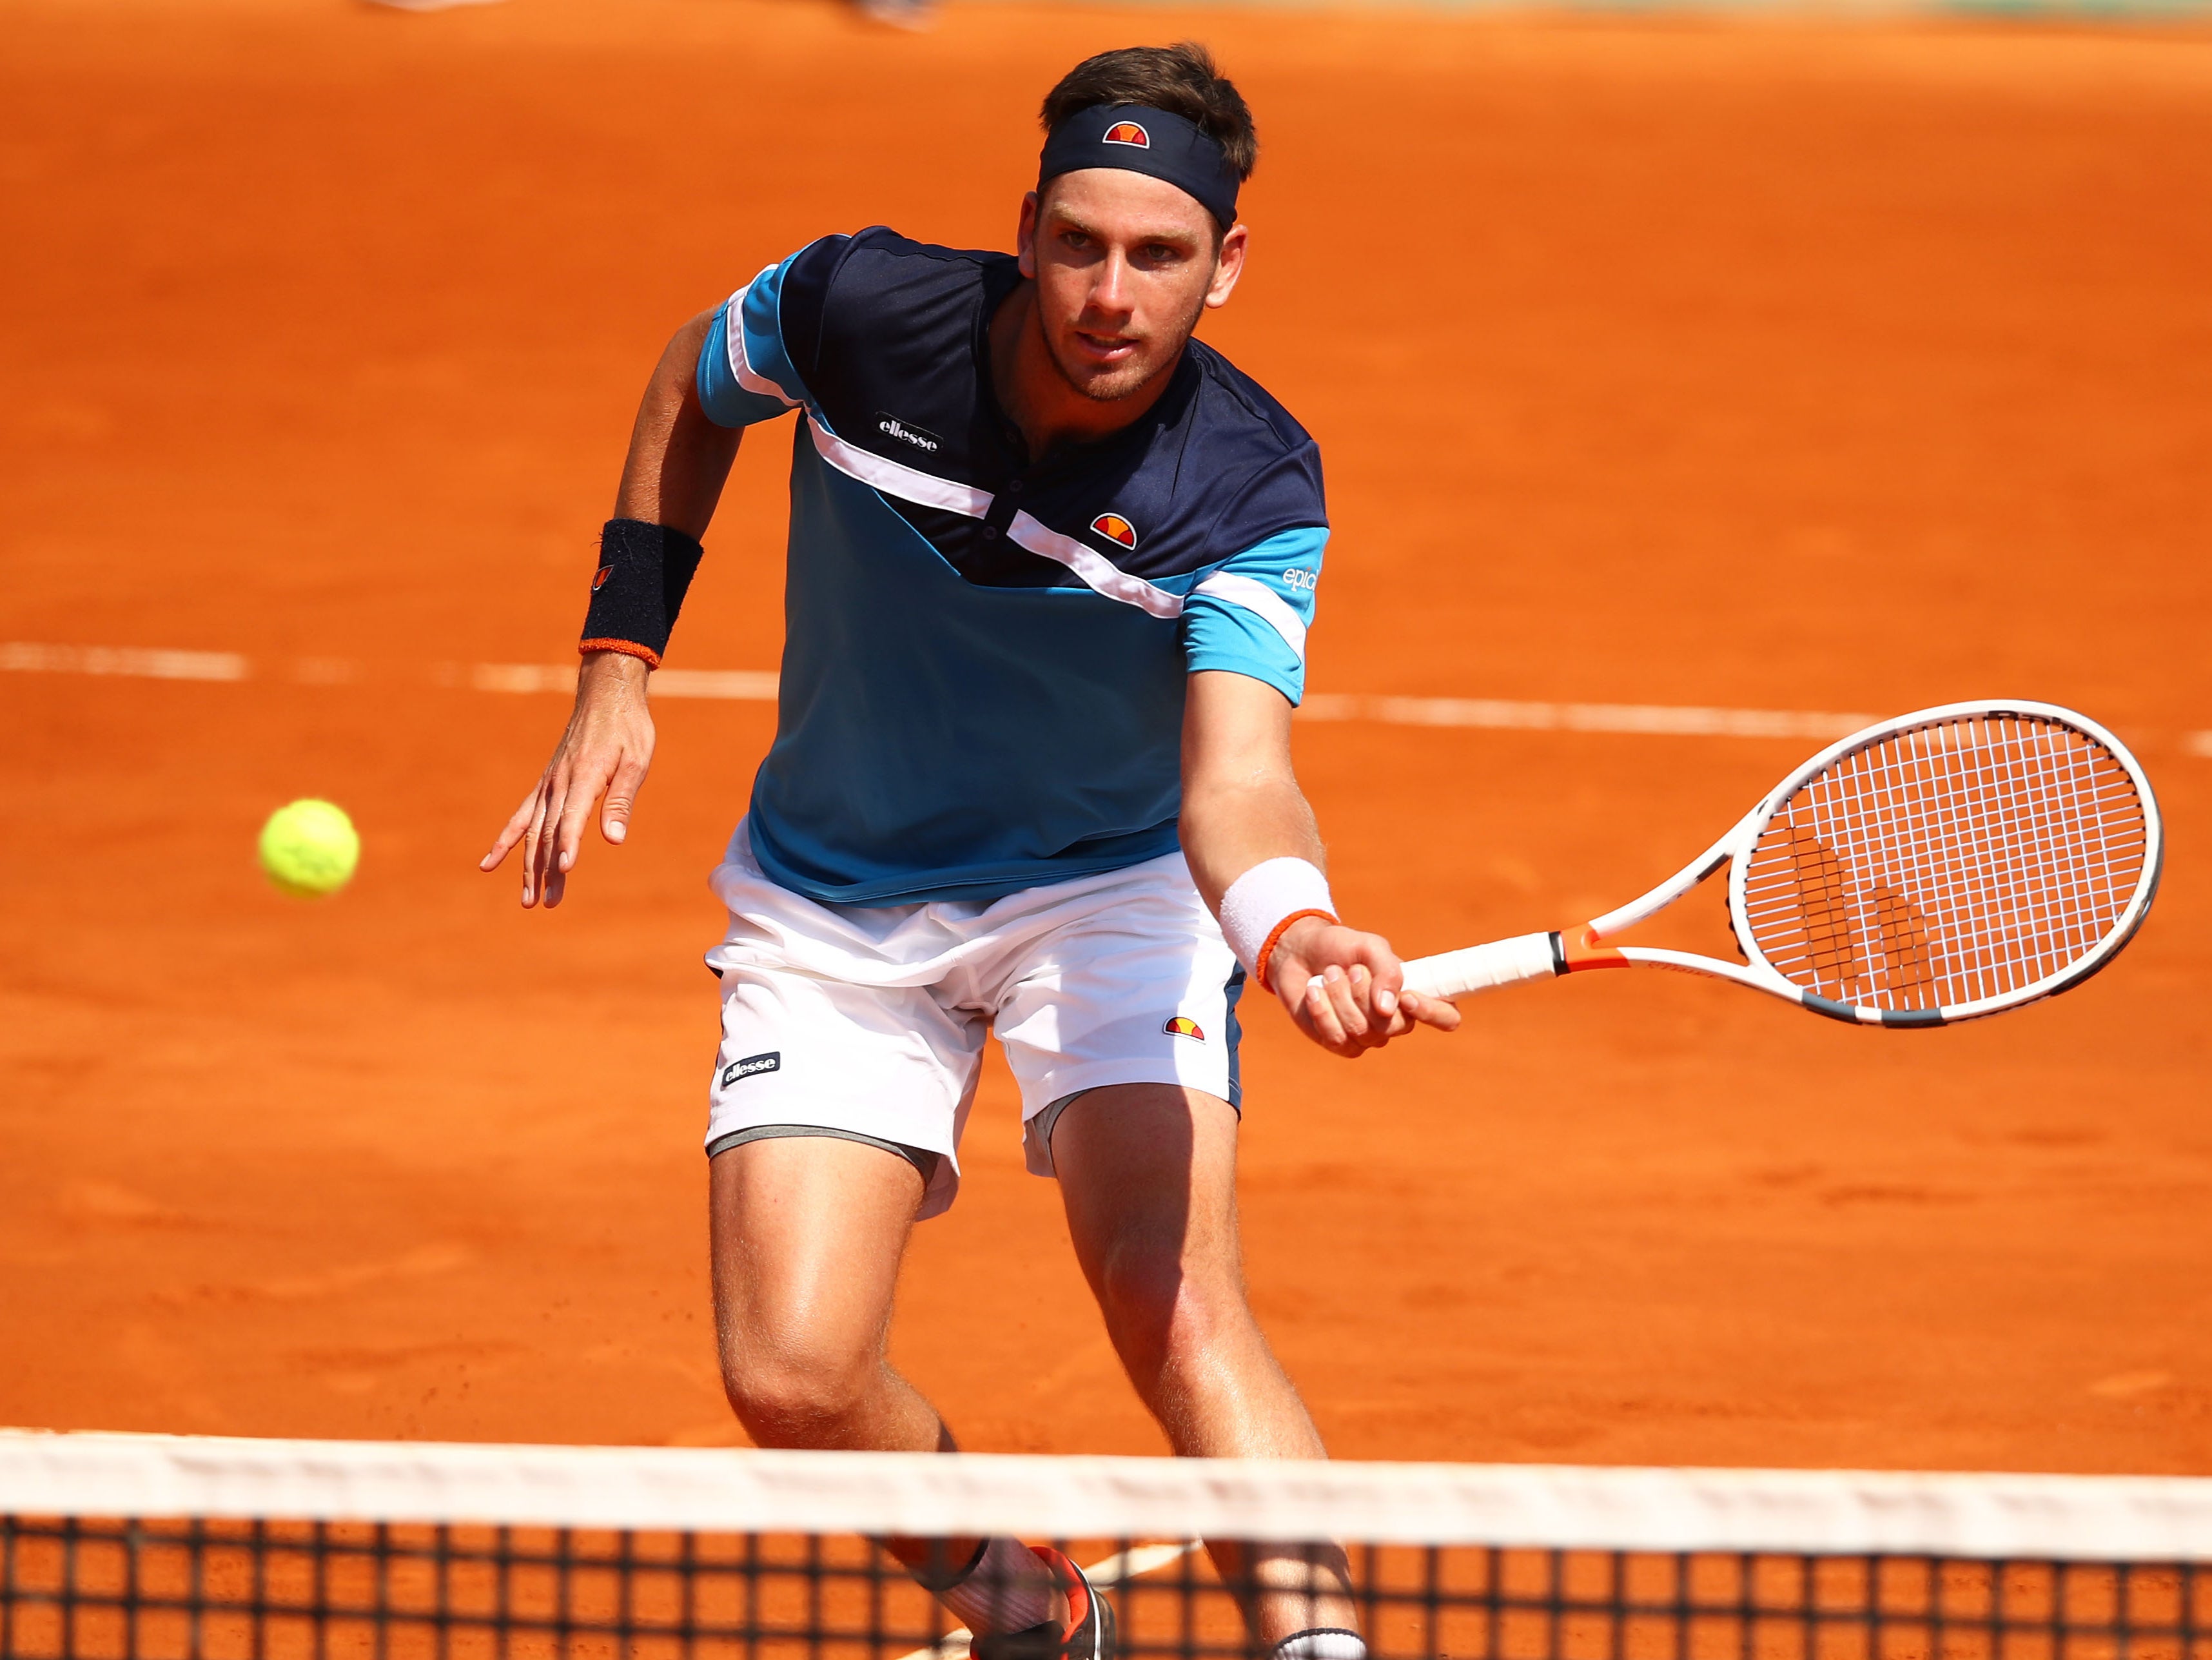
[(1115, 384)]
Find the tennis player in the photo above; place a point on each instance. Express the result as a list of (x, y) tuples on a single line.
[(1051, 564)]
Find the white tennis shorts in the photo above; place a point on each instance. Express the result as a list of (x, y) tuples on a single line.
[(868, 1021)]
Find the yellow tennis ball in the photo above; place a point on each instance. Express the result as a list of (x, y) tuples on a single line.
[(309, 848)]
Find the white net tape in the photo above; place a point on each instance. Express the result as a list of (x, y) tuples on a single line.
[(150, 1547), (2085, 1517)]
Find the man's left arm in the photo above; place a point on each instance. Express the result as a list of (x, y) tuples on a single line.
[(1251, 838)]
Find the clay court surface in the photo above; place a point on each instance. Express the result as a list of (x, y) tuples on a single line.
[(1797, 366)]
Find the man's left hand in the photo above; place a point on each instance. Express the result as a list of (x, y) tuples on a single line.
[(1346, 990)]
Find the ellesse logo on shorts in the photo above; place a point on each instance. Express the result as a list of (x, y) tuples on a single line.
[(1183, 1026), (751, 1066)]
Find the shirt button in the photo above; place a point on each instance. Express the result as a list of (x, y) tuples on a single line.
[(990, 532), (1014, 489)]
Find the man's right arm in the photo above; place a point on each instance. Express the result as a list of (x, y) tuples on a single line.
[(677, 459), (672, 477)]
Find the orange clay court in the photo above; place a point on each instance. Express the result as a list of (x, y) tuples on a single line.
[(1780, 364)]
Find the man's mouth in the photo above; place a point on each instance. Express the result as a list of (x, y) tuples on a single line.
[(1104, 348)]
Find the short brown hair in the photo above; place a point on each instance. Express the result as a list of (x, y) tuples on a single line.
[(1181, 79)]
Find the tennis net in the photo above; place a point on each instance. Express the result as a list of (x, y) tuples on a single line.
[(153, 1547)]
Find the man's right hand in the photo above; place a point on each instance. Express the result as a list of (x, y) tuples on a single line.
[(606, 749)]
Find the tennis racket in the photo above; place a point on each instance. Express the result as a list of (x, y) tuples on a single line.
[(1946, 865)]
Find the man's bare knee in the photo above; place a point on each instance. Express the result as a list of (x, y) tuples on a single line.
[(1161, 1309), (796, 1395)]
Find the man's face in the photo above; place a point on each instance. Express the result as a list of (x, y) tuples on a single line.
[(1124, 265)]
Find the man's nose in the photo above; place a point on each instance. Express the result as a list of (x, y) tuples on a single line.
[(1112, 291)]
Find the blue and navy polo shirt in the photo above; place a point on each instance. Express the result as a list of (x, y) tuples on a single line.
[(985, 651)]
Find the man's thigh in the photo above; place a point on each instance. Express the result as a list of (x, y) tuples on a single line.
[(807, 1232), (1148, 1176)]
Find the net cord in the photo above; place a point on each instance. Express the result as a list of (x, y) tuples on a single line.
[(2087, 1518)]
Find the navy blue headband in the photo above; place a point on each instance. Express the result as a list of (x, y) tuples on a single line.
[(1146, 141)]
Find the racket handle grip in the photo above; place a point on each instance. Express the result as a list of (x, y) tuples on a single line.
[(1481, 967)]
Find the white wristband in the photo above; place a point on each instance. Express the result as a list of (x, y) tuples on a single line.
[(1263, 901)]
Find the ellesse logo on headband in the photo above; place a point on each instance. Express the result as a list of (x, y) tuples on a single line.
[(1116, 528), (1129, 133)]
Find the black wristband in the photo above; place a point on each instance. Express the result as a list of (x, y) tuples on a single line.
[(643, 574)]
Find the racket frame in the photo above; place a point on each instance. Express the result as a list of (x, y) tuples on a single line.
[(1575, 950)]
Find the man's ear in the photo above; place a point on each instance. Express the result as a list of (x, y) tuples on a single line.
[(1026, 235), (1228, 266)]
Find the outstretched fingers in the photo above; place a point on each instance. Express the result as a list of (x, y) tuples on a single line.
[(517, 826), (605, 751), (537, 844), (585, 781)]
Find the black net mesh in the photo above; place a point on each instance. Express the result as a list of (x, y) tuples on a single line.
[(109, 1590)]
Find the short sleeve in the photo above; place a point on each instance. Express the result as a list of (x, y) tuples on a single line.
[(1251, 614), (746, 373)]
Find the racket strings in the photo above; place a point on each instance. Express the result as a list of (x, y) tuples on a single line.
[(1947, 864), (2011, 905)]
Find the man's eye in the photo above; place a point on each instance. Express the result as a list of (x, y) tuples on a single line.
[(1162, 253)]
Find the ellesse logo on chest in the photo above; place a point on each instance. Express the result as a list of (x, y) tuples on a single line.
[(1116, 529), (907, 432)]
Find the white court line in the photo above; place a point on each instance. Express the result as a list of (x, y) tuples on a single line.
[(26, 658), (1687, 721), (740, 685), (748, 684), (759, 686), (523, 678), (1115, 1572)]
